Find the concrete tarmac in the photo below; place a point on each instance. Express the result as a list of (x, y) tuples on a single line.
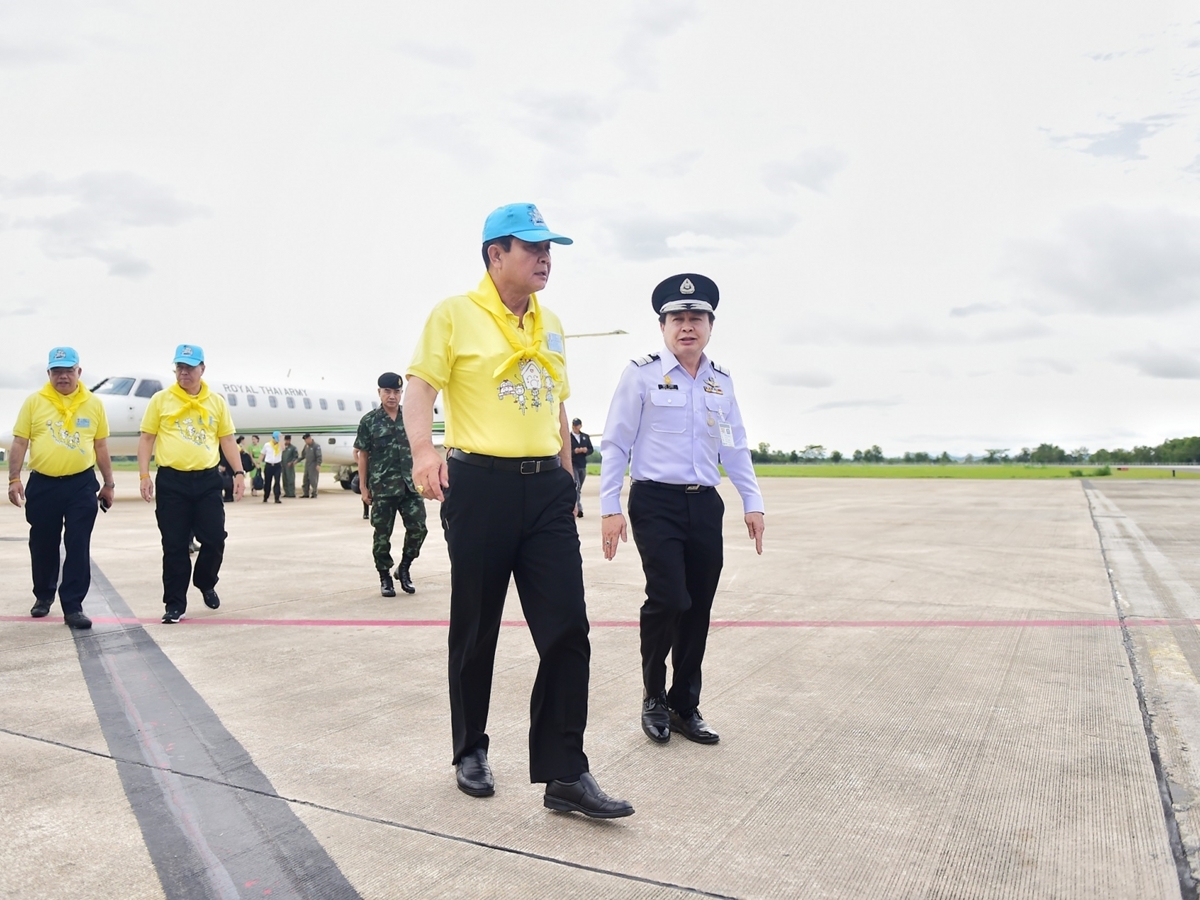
[(924, 689)]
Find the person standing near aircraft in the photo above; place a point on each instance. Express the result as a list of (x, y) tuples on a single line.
[(183, 427), (497, 356), (65, 426), (581, 447), (272, 459), (676, 412), (255, 472), (311, 454), (385, 480), (288, 460)]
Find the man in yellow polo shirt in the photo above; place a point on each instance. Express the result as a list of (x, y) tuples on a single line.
[(185, 427), (64, 427), (508, 510)]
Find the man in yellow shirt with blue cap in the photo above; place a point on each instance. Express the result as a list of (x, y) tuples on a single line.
[(64, 426), (186, 427)]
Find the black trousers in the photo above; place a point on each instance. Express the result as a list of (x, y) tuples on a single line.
[(272, 474), (500, 525), (187, 504), (679, 538), (53, 505), (580, 476)]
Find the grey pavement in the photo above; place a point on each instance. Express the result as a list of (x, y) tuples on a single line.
[(925, 689)]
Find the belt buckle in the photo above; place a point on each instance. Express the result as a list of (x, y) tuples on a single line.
[(692, 489), (530, 466)]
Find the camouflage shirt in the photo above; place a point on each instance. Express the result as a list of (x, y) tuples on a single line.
[(390, 464)]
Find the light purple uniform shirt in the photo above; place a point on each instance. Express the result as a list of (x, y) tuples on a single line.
[(671, 423)]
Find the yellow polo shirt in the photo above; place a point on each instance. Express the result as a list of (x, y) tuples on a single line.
[(61, 431), (510, 413), (188, 429)]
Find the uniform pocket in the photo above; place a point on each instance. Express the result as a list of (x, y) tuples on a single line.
[(668, 412), (717, 411)]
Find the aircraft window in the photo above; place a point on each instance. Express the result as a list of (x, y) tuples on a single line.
[(118, 386), (341, 404), (358, 406), (324, 405), (291, 402), (273, 400), (307, 403), (251, 400), (232, 398), (333, 440), (148, 388)]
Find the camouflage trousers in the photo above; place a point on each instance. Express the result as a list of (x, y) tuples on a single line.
[(383, 516)]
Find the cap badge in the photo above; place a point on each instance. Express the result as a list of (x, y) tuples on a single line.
[(687, 287), (60, 354), (187, 351), (536, 217)]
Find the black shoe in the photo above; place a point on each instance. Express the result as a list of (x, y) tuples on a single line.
[(386, 588), (171, 616), (656, 720), (579, 515), (277, 500), (41, 609), (265, 498), (366, 515), (474, 775), (77, 620), (586, 797), (404, 578), (211, 600), (693, 727)]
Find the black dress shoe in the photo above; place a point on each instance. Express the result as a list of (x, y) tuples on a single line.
[(656, 719), (586, 797), (41, 609), (474, 775), (386, 588), (693, 727), (405, 578), (211, 600), (77, 620)]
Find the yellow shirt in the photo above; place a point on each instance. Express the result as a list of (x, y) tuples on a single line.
[(189, 428), (501, 385), (61, 431)]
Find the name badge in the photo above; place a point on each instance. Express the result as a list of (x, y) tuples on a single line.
[(83, 423), (726, 434), (554, 342)]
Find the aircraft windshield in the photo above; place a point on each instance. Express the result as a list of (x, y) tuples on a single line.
[(119, 386)]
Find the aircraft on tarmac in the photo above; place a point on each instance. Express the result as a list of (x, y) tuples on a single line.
[(331, 416)]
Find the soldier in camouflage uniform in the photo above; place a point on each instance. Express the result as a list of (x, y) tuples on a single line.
[(385, 479)]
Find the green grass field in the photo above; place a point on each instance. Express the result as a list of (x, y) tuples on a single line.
[(859, 470)]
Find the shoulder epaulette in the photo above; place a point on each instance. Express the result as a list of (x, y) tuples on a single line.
[(645, 360), (721, 369)]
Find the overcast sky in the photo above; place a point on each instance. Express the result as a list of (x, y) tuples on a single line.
[(935, 226)]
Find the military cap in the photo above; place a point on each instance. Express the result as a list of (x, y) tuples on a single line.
[(389, 380), (681, 293), (577, 421)]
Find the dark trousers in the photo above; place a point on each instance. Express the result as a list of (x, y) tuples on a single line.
[(411, 508), (187, 504), (580, 475), (500, 525), (272, 474), (679, 538), (53, 505)]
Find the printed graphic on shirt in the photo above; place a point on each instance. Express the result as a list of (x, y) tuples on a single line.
[(197, 434), (64, 437), (535, 388)]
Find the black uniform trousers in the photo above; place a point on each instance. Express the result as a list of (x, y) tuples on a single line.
[(678, 535), (187, 504), (500, 525), (53, 505), (272, 474)]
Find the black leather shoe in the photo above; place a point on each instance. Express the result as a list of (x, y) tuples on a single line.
[(211, 600), (586, 797), (404, 578), (172, 616), (693, 727), (656, 720), (77, 620), (41, 609), (386, 588), (474, 775)]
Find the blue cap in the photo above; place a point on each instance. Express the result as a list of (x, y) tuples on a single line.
[(520, 220), (189, 355), (275, 434), (63, 358)]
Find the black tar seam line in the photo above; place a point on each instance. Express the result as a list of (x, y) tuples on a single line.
[(1183, 868), (377, 821)]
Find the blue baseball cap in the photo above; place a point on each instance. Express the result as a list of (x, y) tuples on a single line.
[(63, 358), (520, 220), (189, 355)]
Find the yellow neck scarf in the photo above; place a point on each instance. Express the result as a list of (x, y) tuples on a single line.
[(488, 298), (66, 405), (191, 403)]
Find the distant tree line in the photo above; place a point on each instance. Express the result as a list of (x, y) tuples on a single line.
[(1177, 451)]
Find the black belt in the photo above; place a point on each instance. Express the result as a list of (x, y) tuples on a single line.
[(529, 466), (59, 477), (686, 488)]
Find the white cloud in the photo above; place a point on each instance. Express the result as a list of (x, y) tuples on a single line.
[(808, 379), (812, 169), (642, 236), (1158, 362)]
